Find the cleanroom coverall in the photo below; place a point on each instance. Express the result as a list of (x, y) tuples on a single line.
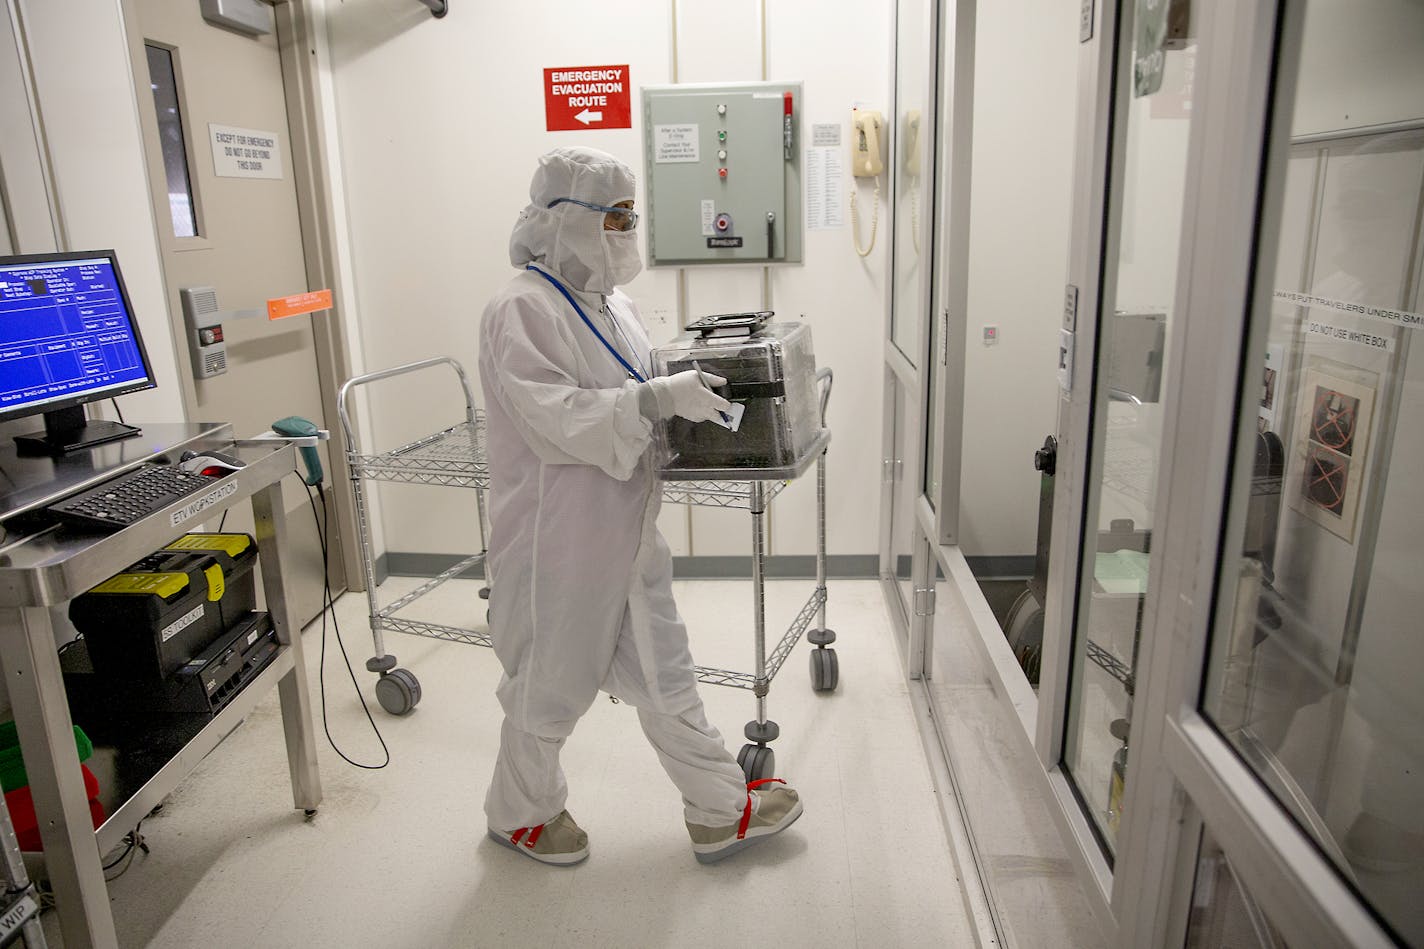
[(581, 577)]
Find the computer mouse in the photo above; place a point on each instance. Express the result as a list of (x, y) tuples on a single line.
[(213, 464)]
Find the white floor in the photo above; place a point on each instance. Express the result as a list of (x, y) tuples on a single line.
[(399, 858)]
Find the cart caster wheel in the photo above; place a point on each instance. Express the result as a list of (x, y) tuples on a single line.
[(398, 691), (310, 814), (757, 761), (825, 670), (1023, 627), (484, 593)]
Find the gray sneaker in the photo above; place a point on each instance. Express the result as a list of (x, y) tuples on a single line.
[(560, 841), (773, 810)]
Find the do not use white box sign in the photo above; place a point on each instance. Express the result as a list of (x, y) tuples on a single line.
[(245, 153)]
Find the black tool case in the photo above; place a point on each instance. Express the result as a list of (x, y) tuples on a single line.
[(150, 620)]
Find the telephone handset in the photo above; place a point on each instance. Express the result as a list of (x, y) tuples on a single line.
[(912, 172), (912, 143), (866, 162), (865, 143)]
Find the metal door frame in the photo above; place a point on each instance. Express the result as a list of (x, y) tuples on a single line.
[(900, 373), (1097, 190), (954, 114), (26, 182)]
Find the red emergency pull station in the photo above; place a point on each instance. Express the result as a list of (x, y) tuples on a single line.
[(786, 141)]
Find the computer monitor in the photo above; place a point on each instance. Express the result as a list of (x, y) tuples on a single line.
[(67, 336)]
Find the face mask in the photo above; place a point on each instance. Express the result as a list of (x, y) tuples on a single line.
[(620, 250)]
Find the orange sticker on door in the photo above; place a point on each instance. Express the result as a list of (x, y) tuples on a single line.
[(297, 304)]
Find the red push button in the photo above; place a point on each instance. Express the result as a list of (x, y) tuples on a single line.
[(721, 172)]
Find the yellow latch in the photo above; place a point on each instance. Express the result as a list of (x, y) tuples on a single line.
[(215, 582)]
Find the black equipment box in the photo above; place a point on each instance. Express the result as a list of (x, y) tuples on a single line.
[(149, 621), (121, 711), (220, 671), (772, 371)]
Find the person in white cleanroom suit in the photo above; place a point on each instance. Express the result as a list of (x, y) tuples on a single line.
[(581, 579)]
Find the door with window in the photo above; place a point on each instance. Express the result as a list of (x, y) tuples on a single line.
[(907, 330), (223, 176), (1242, 715), (1297, 740)]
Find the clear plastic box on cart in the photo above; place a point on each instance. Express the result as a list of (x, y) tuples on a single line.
[(773, 373)]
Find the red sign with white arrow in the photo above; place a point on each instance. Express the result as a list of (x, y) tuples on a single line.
[(587, 97)]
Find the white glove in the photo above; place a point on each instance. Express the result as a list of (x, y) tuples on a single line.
[(683, 394)]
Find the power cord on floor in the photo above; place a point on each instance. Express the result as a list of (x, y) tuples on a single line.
[(133, 842), (330, 605)]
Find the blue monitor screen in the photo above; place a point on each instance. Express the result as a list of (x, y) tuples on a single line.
[(66, 333)]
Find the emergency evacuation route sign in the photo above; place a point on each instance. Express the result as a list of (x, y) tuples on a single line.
[(587, 97)]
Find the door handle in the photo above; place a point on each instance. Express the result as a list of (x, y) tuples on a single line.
[(1046, 458)]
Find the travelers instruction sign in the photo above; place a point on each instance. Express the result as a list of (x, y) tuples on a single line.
[(587, 97)]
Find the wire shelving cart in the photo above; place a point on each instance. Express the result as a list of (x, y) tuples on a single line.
[(455, 457)]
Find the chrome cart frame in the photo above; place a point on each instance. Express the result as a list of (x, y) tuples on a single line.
[(456, 457)]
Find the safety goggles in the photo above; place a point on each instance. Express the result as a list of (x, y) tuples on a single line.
[(624, 219)]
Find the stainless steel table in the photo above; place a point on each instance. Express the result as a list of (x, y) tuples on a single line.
[(45, 568)]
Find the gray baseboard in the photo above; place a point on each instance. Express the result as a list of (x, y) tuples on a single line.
[(781, 567), (1001, 567)]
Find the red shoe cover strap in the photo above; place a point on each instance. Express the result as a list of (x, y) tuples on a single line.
[(534, 836), (514, 838), (747, 811)]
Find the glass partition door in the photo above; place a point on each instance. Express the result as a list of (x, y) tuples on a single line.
[(1315, 673), (1128, 384), (912, 125), (1276, 778)]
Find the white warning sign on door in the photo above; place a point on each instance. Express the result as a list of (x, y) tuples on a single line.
[(245, 153)]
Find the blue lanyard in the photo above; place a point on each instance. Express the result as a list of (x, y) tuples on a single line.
[(587, 322)]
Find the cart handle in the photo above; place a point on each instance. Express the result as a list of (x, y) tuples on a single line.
[(351, 384), (825, 375)]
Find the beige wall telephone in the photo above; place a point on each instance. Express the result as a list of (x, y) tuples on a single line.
[(866, 162)]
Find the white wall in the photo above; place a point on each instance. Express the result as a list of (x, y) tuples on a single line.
[(441, 122), (85, 92), (1025, 89), (1362, 64)]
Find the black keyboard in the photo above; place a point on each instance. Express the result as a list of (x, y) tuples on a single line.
[(130, 497)]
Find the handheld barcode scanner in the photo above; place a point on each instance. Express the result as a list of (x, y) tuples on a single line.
[(294, 426)]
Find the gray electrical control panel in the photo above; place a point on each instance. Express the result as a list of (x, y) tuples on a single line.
[(722, 163)]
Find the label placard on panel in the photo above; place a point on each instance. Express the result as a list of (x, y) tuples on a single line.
[(675, 143)]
